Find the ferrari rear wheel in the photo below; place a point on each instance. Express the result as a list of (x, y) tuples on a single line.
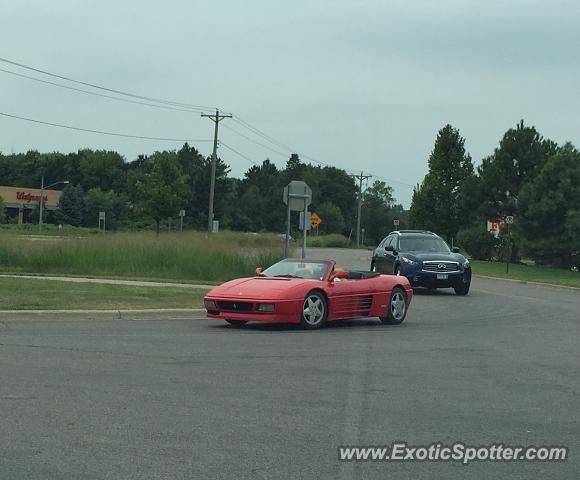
[(237, 323), (397, 307), (314, 310)]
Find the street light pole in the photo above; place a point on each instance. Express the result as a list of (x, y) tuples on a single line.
[(41, 204), (41, 201)]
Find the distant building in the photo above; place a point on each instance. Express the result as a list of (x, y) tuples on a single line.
[(22, 199)]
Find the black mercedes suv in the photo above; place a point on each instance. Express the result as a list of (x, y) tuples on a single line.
[(424, 258)]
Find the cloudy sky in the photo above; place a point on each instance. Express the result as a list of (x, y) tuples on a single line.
[(363, 85)]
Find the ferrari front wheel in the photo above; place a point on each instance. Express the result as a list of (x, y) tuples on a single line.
[(397, 308), (314, 310)]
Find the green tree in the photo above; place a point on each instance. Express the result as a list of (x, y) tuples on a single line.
[(96, 200), (163, 188), (378, 212), (260, 205), (71, 206), (332, 220), (548, 227), (521, 154), (439, 201)]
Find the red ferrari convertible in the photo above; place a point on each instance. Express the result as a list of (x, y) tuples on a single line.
[(310, 292)]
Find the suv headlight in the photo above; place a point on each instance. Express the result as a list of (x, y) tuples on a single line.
[(410, 262), (466, 264)]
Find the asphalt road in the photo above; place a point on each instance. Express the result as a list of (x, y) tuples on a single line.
[(193, 398)]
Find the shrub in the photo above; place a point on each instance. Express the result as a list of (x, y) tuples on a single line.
[(333, 240), (478, 243)]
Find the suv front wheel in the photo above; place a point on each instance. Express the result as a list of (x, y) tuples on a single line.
[(462, 288)]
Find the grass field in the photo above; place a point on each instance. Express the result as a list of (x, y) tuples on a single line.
[(527, 273), (33, 294), (179, 256)]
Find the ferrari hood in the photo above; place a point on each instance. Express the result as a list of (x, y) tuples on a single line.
[(256, 288)]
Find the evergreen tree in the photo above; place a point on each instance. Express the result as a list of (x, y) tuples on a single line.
[(521, 154), (71, 206), (548, 226), (439, 202)]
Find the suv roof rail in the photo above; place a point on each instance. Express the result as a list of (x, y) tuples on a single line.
[(413, 231)]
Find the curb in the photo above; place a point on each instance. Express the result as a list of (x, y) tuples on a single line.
[(144, 314), (535, 284), (110, 281)]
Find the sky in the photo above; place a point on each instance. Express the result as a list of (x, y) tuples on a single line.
[(362, 85)]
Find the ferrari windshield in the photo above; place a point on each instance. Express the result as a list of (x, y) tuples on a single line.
[(298, 269), (423, 244)]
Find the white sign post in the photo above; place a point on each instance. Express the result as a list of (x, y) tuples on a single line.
[(102, 221), (181, 215)]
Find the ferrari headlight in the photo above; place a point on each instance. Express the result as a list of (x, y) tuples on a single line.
[(410, 262), (210, 304), (266, 307)]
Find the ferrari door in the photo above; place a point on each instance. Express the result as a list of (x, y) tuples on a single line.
[(350, 299)]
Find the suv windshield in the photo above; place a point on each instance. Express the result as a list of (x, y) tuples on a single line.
[(297, 269), (424, 244)]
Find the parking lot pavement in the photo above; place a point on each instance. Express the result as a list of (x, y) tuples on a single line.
[(194, 398)]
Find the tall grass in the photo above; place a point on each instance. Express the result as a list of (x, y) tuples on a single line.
[(183, 256), (333, 240)]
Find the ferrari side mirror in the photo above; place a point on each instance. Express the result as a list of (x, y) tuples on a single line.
[(258, 271), (339, 274)]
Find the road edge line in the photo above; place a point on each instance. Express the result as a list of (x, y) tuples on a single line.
[(527, 282)]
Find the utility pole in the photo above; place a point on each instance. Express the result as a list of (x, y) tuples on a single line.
[(215, 119), (360, 178)]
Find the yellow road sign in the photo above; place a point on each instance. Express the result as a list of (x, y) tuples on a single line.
[(315, 220)]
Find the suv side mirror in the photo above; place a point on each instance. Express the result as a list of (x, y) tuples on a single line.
[(259, 271), (390, 248), (455, 249)]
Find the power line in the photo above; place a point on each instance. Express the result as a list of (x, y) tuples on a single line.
[(285, 155), (101, 132), (111, 90), (307, 157), (238, 153), (166, 104), (390, 180), (126, 100), (265, 136)]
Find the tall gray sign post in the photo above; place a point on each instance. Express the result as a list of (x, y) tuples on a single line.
[(102, 221), (181, 215), (297, 197)]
